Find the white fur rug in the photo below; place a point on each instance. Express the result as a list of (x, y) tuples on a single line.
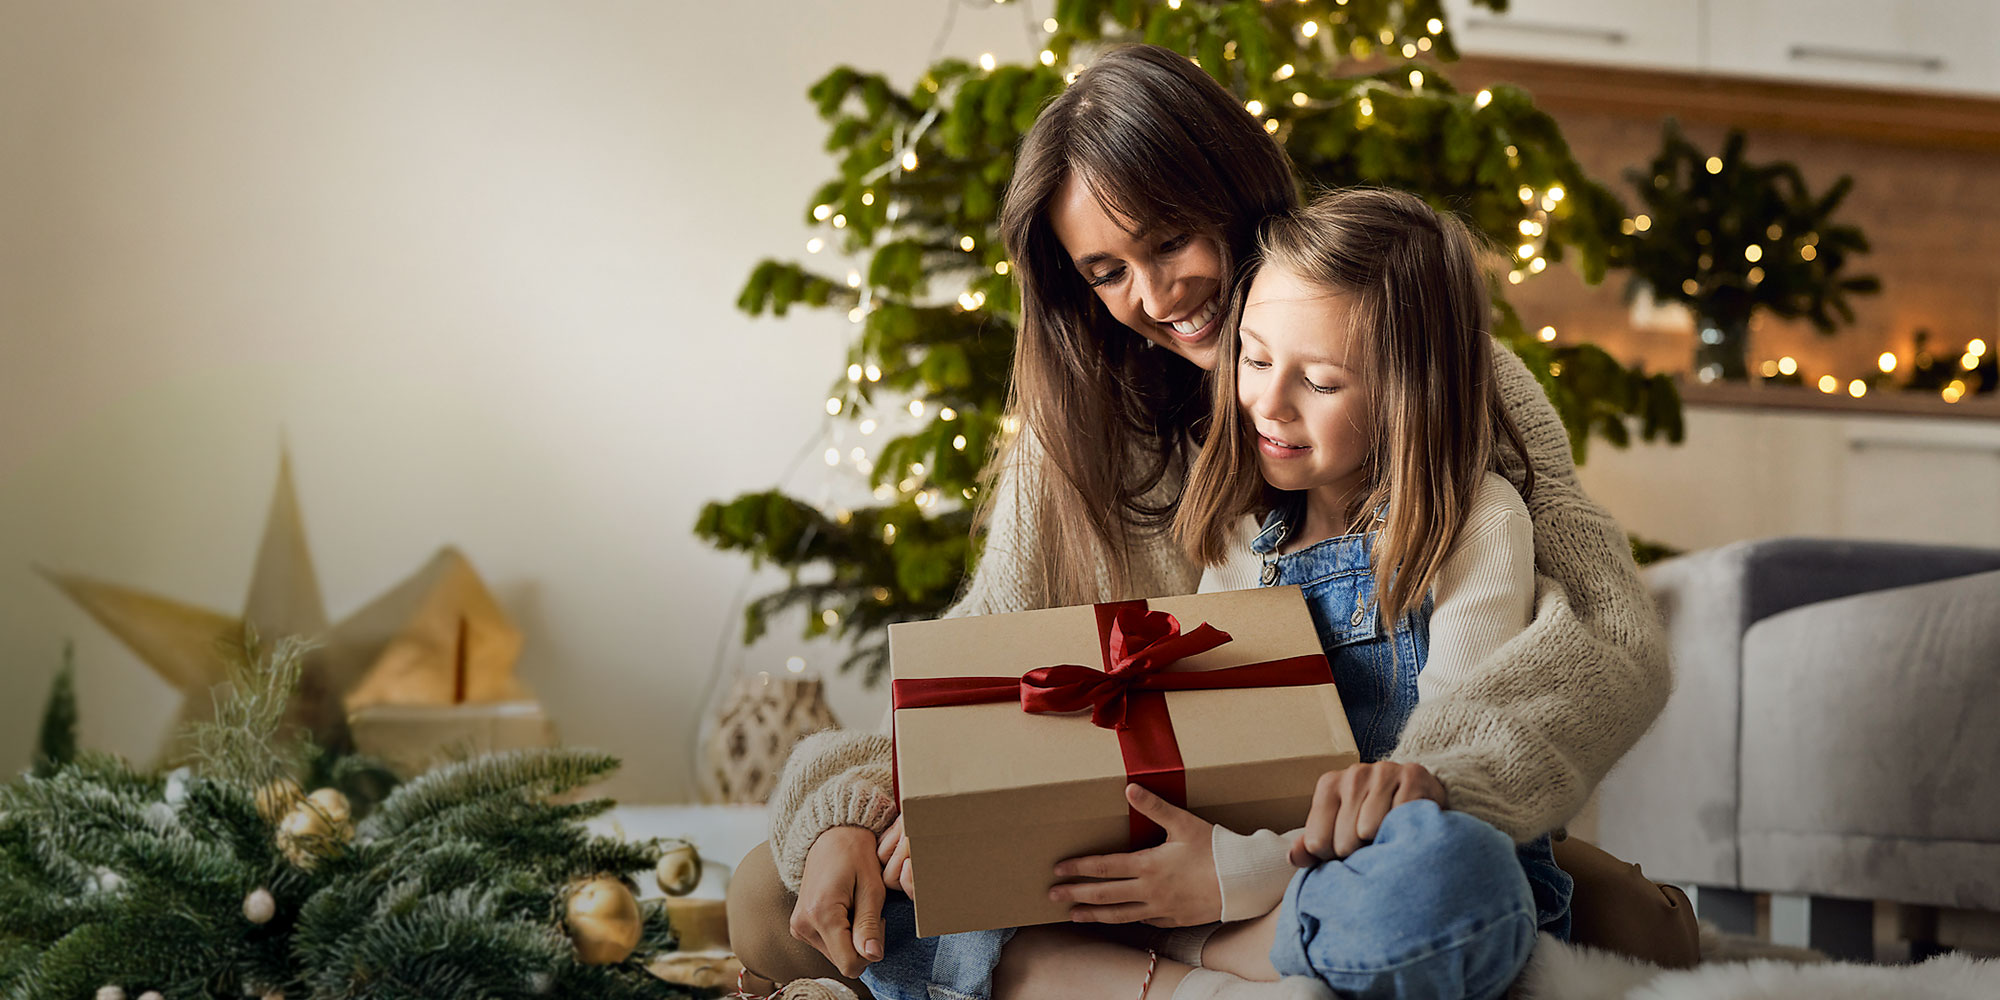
[(1738, 969)]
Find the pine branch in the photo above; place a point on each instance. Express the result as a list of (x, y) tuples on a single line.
[(515, 773), (56, 745)]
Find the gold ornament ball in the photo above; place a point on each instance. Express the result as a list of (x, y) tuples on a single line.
[(277, 798), (604, 921), (259, 907), (110, 993), (679, 870), (332, 804), (151, 995)]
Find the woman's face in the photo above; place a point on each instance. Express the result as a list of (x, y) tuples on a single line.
[(1298, 389), (1166, 286)]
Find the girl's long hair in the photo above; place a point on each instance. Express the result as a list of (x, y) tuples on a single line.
[(1420, 314), (1161, 146)]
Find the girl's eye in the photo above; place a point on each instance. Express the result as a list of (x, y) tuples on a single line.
[(1322, 389), (1256, 365), (1107, 277)]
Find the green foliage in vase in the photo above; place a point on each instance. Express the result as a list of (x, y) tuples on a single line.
[(181, 883), (1729, 237), (1346, 86)]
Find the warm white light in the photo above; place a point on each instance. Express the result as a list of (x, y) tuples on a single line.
[(821, 212), (1537, 265), (867, 427), (830, 617), (796, 664), (1515, 277), (958, 442), (874, 374), (1485, 97), (833, 404), (1434, 25), (1409, 50), (1977, 348), (916, 468), (1284, 72), (1048, 58), (1828, 383), (1969, 362), (1527, 194), (856, 314), (1756, 275), (854, 279), (839, 221), (1642, 223), (986, 61), (1423, 45), (1526, 250), (1857, 388), (1753, 253), (1887, 362), (965, 243), (815, 245), (833, 456), (1050, 25), (910, 160), (1770, 369), (1546, 334), (1000, 268), (858, 455), (1254, 107), (1416, 79), (1556, 192), (1529, 227), (1299, 98), (1367, 107), (1808, 252), (888, 533), (1714, 164), (1308, 29), (854, 373), (916, 407), (1271, 125), (868, 197), (1788, 365)]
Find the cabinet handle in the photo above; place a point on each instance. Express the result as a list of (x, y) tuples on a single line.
[(1929, 64), (1609, 36)]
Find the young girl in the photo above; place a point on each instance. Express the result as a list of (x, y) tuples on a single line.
[(1354, 429)]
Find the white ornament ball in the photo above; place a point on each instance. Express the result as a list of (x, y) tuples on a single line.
[(111, 993), (260, 906), (151, 995)]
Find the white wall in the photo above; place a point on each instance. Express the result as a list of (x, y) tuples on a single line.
[(475, 261)]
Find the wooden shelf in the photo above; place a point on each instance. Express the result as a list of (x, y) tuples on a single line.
[(1878, 403), (1894, 117)]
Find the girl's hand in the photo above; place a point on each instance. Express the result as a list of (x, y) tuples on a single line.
[(839, 911), (894, 853), (1172, 885), (1349, 805)]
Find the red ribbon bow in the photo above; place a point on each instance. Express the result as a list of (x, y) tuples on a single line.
[(1142, 642)]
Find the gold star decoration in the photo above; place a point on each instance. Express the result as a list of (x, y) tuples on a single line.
[(437, 638)]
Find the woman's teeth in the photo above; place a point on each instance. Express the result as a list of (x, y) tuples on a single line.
[(1201, 319)]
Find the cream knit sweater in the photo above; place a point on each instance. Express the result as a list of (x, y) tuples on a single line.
[(1520, 743)]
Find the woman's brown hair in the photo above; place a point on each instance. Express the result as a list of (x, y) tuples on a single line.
[(1162, 147), (1418, 304)]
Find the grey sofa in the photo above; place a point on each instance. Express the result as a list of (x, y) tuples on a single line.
[(1833, 735)]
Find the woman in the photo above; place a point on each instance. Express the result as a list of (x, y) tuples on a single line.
[(1133, 196)]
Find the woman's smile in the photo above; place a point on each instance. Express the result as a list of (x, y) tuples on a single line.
[(1198, 326)]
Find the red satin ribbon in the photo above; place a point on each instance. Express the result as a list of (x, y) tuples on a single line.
[(1127, 696)]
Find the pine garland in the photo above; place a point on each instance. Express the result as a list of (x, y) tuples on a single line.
[(456, 885)]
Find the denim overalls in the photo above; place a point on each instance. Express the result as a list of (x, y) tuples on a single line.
[(1376, 674), (1440, 906)]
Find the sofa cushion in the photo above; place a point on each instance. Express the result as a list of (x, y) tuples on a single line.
[(1870, 752)]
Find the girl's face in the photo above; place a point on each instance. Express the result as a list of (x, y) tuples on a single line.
[(1298, 388), (1166, 286)]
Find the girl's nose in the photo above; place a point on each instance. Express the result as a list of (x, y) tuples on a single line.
[(1269, 402)]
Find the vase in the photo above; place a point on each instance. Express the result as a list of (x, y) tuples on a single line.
[(1722, 347)]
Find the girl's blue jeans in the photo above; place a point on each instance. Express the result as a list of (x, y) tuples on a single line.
[(1438, 906)]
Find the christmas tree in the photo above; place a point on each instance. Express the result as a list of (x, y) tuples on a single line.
[(228, 880), (1348, 87)]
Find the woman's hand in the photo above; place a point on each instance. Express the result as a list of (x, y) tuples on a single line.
[(1172, 885), (894, 852), (839, 911), (1348, 807)]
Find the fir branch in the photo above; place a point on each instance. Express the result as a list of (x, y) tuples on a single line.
[(516, 773), (56, 744), (242, 745)]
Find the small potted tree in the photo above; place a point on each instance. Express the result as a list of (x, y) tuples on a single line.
[(1728, 237)]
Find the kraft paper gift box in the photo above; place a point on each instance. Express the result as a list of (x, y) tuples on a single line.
[(993, 796)]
